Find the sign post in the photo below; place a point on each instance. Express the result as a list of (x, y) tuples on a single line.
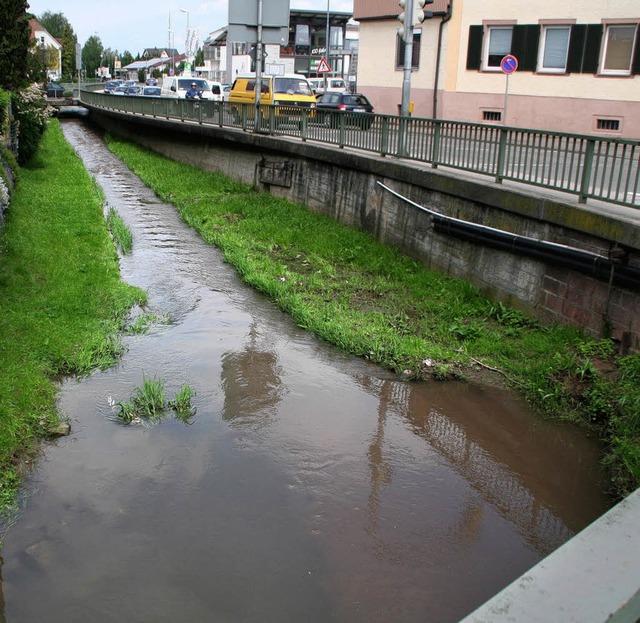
[(508, 65)]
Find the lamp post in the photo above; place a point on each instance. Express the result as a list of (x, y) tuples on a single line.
[(327, 46), (187, 42)]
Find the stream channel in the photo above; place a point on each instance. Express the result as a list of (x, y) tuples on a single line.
[(310, 486)]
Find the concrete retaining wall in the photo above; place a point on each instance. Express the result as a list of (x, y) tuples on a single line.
[(344, 185)]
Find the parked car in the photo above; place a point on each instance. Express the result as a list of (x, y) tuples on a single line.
[(330, 105), (226, 89), (152, 91), (120, 90), (111, 85), (54, 90), (151, 82), (134, 89)]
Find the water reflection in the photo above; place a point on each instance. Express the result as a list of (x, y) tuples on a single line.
[(251, 383), (477, 449)]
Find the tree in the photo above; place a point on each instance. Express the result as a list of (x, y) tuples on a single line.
[(54, 23), (199, 60), (92, 55), (14, 44), (69, 42), (127, 58), (59, 27)]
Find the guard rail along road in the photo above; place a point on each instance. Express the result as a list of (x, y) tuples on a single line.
[(606, 169)]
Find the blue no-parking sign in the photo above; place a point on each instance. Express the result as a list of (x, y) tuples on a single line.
[(509, 64)]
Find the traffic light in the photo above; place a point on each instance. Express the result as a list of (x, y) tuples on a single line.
[(420, 13), (418, 16)]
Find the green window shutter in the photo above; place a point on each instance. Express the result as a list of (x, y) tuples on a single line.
[(524, 46), (635, 66), (474, 51), (576, 48), (593, 41)]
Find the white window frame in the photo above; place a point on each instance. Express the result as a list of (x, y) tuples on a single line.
[(617, 72), (543, 48), (487, 46)]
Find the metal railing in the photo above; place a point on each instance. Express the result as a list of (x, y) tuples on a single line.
[(605, 169)]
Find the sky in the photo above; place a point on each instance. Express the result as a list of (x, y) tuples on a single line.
[(139, 24)]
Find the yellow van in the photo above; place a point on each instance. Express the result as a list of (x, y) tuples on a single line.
[(281, 91)]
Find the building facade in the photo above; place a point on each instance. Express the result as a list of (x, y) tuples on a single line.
[(50, 47), (307, 45), (578, 64)]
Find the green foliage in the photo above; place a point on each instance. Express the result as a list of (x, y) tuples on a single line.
[(15, 34), (62, 300), (92, 55), (31, 110), (120, 232), (69, 42), (181, 404), (148, 403)]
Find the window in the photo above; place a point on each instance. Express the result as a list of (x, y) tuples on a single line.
[(618, 49), (415, 57), (498, 45), (491, 115), (608, 124), (554, 49)]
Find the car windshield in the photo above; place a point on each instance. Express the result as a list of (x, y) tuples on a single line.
[(291, 86), (186, 84), (153, 91)]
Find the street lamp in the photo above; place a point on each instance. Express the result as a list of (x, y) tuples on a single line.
[(187, 43)]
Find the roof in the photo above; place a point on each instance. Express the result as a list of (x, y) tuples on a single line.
[(154, 62), (389, 9)]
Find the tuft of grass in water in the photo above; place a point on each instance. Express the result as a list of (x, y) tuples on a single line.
[(141, 324), (62, 300), (372, 301), (121, 234), (149, 399), (181, 404), (148, 403)]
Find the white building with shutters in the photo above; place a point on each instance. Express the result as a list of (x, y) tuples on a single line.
[(578, 63)]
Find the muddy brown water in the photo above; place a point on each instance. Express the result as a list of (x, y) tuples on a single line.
[(310, 486)]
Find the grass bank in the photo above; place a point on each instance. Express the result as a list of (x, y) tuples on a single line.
[(372, 301), (61, 299)]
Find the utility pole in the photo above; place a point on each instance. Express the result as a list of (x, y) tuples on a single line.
[(406, 32), (259, 64), (327, 46)]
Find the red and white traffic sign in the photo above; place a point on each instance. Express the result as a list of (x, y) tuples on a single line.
[(323, 66), (509, 64)]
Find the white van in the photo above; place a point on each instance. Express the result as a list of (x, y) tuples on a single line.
[(177, 86), (334, 85), (216, 90)]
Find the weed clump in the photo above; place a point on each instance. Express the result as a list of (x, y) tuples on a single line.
[(148, 403)]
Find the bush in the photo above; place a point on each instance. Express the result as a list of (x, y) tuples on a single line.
[(32, 112)]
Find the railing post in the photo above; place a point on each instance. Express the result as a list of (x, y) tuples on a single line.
[(304, 125), (341, 125), (437, 132), (502, 155), (384, 136), (587, 169), (402, 138)]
